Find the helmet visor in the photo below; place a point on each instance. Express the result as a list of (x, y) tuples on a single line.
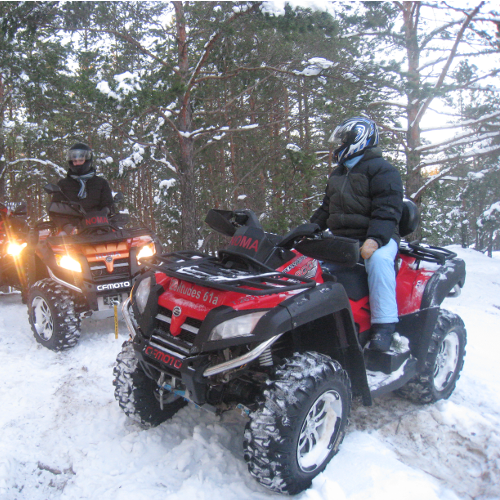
[(79, 154), (341, 136)]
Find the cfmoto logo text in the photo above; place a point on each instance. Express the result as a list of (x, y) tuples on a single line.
[(113, 286)]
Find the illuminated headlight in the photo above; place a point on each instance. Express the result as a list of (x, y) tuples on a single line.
[(146, 251), (15, 249), (241, 326), (67, 262), (141, 295)]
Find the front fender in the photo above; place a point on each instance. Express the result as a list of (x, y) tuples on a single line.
[(322, 321)]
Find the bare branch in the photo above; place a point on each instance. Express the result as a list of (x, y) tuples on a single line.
[(446, 68), (250, 172), (210, 44), (433, 33)]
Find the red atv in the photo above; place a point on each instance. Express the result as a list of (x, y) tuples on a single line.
[(13, 235), (87, 271), (265, 327)]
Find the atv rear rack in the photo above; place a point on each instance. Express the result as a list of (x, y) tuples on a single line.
[(428, 253), (205, 270)]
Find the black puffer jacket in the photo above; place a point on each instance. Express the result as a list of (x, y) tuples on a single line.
[(363, 202), (99, 193)]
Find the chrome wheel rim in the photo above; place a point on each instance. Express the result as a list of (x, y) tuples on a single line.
[(319, 430), (446, 361), (44, 324)]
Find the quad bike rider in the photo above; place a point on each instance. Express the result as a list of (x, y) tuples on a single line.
[(13, 235), (266, 329), (81, 261)]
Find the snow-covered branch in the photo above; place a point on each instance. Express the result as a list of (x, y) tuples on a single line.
[(465, 124), (471, 154), (60, 170), (457, 140), (126, 37), (389, 103), (430, 182)]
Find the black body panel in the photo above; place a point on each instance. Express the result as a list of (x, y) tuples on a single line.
[(417, 327), (442, 282), (353, 279)]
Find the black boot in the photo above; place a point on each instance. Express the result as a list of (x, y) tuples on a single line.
[(381, 334)]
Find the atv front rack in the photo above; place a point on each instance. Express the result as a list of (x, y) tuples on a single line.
[(428, 253), (202, 269), (106, 237)]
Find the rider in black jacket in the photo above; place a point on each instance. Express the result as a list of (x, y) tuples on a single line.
[(81, 183), (364, 200)]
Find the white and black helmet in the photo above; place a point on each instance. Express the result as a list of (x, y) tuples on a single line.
[(79, 152), (353, 136)]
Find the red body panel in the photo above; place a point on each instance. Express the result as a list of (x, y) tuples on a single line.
[(410, 285), (196, 301)]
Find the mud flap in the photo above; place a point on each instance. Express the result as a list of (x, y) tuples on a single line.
[(417, 328), (442, 282)]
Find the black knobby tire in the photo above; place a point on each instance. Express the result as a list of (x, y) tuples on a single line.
[(135, 391), (443, 364), (53, 319), (299, 424)]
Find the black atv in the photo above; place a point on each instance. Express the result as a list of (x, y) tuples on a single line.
[(13, 235), (270, 327), (87, 271)]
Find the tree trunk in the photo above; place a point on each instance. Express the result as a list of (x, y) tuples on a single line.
[(187, 180), (2, 141), (413, 158)]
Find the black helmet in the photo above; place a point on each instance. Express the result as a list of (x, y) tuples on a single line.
[(79, 152), (353, 136)]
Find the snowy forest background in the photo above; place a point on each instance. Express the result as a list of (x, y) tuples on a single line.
[(197, 105)]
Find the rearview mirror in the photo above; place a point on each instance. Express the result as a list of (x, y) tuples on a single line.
[(220, 221)]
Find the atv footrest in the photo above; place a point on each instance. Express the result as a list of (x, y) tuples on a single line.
[(380, 383), (385, 362)]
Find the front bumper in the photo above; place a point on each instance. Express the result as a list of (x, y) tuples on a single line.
[(194, 371)]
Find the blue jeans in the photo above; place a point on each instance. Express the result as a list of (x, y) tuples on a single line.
[(382, 284)]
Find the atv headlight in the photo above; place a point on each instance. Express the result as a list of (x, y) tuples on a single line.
[(15, 248), (141, 295), (67, 262), (241, 326), (146, 251)]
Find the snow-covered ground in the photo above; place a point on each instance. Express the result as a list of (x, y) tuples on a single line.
[(63, 436)]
